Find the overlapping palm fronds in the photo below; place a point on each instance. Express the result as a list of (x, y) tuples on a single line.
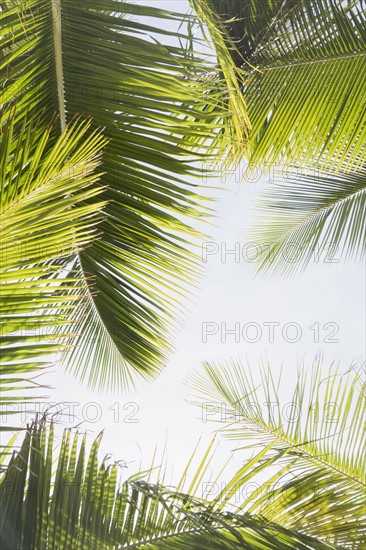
[(305, 80), (304, 74), (85, 505), (163, 109), (308, 466), (44, 219)]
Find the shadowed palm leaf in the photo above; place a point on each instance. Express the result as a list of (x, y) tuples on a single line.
[(302, 75), (84, 506)]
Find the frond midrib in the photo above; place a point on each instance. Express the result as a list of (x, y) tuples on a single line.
[(299, 63), (57, 37), (94, 306), (306, 454)]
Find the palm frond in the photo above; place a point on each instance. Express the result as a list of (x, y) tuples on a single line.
[(311, 454), (233, 77), (311, 218), (305, 95), (83, 505), (44, 218), (164, 109)]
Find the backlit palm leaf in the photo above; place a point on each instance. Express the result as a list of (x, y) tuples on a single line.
[(311, 218), (44, 218), (308, 473), (161, 118), (304, 63)]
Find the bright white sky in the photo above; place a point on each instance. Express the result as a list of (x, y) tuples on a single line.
[(229, 292)]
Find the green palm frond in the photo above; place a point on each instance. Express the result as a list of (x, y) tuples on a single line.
[(305, 94), (311, 453), (311, 217), (83, 505), (164, 109), (307, 103), (233, 77), (44, 218)]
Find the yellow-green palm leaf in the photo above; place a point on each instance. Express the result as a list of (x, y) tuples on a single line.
[(309, 452), (304, 66), (161, 119), (50, 208)]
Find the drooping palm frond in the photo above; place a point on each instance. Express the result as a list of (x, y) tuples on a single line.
[(311, 218), (305, 94), (44, 218), (83, 505), (164, 109), (311, 453)]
